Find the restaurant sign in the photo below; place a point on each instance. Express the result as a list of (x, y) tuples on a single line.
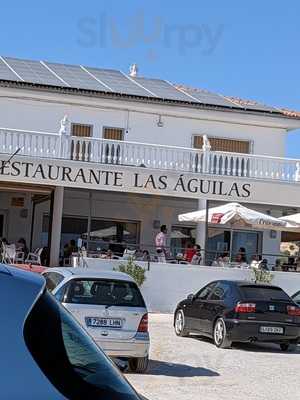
[(144, 181)]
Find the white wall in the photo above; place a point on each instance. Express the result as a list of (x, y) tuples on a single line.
[(16, 224), (139, 120), (167, 284)]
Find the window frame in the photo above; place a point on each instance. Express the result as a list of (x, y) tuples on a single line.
[(226, 294), (91, 126), (213, 284), (65, 293), (250, 141), (113, 127), (47, 275)]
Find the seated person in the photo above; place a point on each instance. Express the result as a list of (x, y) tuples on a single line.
[(70, 248), (145, 256), (196, 259), (22, 247), (189, 253)]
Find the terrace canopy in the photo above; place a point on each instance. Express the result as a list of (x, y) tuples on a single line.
[(236, 214)]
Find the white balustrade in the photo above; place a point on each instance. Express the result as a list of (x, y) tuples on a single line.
[(102, 151)]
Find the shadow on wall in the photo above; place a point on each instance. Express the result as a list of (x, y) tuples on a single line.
[(178, 370)]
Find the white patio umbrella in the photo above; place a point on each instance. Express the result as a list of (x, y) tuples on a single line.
[(293, 219), (106, 232), (178, 235), (239, 215)]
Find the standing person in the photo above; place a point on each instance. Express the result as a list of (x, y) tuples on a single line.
[(161, 244)]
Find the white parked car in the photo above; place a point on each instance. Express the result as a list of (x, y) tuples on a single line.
[(45, 353), (109, 305)]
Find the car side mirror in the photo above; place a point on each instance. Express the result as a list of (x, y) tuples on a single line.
[(191, 297)]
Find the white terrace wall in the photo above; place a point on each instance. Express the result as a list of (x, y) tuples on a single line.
[(167, 284)]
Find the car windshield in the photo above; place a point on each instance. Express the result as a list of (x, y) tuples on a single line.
[(104, 292), (264, 293), (69, 357)]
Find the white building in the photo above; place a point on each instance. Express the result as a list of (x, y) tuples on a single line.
[(129, 158)]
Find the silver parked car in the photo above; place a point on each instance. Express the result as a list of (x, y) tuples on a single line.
[(45, 353), (110, 306)]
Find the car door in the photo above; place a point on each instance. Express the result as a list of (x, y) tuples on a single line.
[(216, 304), (197, 308)]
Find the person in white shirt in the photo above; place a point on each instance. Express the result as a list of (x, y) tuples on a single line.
[(161, 244)]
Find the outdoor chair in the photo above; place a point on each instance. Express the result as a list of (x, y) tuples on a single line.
[(9, 253), (35, 257), (20, 257)]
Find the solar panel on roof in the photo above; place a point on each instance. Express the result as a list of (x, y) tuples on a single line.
[(256, 107), (106, 80), (76, 77), (163, 89), (118, 82), (33, 71), (6, 73), (210, 98)]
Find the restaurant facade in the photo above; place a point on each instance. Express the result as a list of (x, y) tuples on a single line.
[(108, 158)]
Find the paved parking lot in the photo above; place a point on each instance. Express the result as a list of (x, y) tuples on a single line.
[(192, 369)]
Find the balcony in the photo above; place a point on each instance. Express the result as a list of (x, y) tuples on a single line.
[(179, 159)]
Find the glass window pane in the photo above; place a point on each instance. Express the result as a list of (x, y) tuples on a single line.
[(114, 234), (181, 238), (104, 292)]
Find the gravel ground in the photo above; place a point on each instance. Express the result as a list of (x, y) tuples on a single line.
[(192, 369)]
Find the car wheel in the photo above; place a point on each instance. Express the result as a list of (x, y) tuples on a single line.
[(180, 328), (139, 364), (288, 346), (220, 335)]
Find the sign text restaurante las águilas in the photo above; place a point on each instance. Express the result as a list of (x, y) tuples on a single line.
[(117, 177)]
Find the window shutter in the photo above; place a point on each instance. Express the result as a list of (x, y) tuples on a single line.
[(227, 145), (113, 133), (81, 130)]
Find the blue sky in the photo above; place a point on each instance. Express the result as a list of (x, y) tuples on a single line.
[(246, 49)]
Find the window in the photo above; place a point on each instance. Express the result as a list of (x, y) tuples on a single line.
[(226, 243), (72, 228), (113, 133), (203, 294), (221, 291), (81, 130), (222, 144), (181, 237), (263, 293), (68, 357), (53, 279), (113, 233), (103, 292), (296, 297)]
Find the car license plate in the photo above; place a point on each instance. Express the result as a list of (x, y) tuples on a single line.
[(96, 322), (271, 329)]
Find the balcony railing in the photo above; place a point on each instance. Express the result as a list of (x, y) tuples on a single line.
[(55, 146)]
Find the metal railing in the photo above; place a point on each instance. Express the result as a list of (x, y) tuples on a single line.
[(104, 151)]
